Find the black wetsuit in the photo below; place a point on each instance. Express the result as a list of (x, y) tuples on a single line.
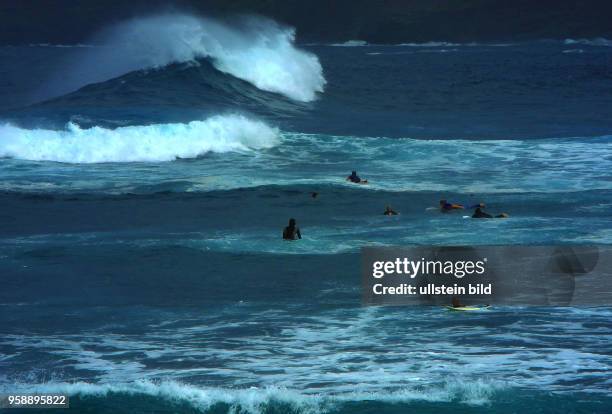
[(354, 179), (481, 214), (291, 233)]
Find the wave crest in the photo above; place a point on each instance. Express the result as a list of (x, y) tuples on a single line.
[(158, 142)]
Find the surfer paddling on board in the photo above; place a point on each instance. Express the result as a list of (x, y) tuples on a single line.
[(478, 213), (445, 206), (354, 178), (292, 231)]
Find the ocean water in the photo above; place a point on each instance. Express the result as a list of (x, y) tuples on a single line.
[(146, 177)]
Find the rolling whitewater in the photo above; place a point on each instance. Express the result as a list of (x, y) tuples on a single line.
[(146, 176)]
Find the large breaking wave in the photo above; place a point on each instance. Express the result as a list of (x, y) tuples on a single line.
[(158, 142), (256, 50)]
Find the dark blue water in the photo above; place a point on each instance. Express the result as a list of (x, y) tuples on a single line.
[(143, 192)]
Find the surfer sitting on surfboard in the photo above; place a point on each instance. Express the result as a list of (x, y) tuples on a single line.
[(354, 178)]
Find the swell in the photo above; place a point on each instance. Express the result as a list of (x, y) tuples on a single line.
[(194, 86)]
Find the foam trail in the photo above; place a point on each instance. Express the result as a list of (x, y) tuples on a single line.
[(257, 50), (159, 142)]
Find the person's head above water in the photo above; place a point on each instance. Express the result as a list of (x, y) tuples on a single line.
[(389, 211), (292, 232), (442, 202)]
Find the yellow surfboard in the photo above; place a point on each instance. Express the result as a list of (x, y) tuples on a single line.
[(467, 308)]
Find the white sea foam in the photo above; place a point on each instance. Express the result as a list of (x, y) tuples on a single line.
[(351, 43), (158, 142), (59, 45), (329, 357), (256, 50), (257, 399), (433, 44), (451, 44), (430, 44)]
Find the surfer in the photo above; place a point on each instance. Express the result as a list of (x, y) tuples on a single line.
[(456, 303), (314, 194), (292, 232), (390, 212), (458, 306), (445, 206), (478, 213), (354, 178)]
